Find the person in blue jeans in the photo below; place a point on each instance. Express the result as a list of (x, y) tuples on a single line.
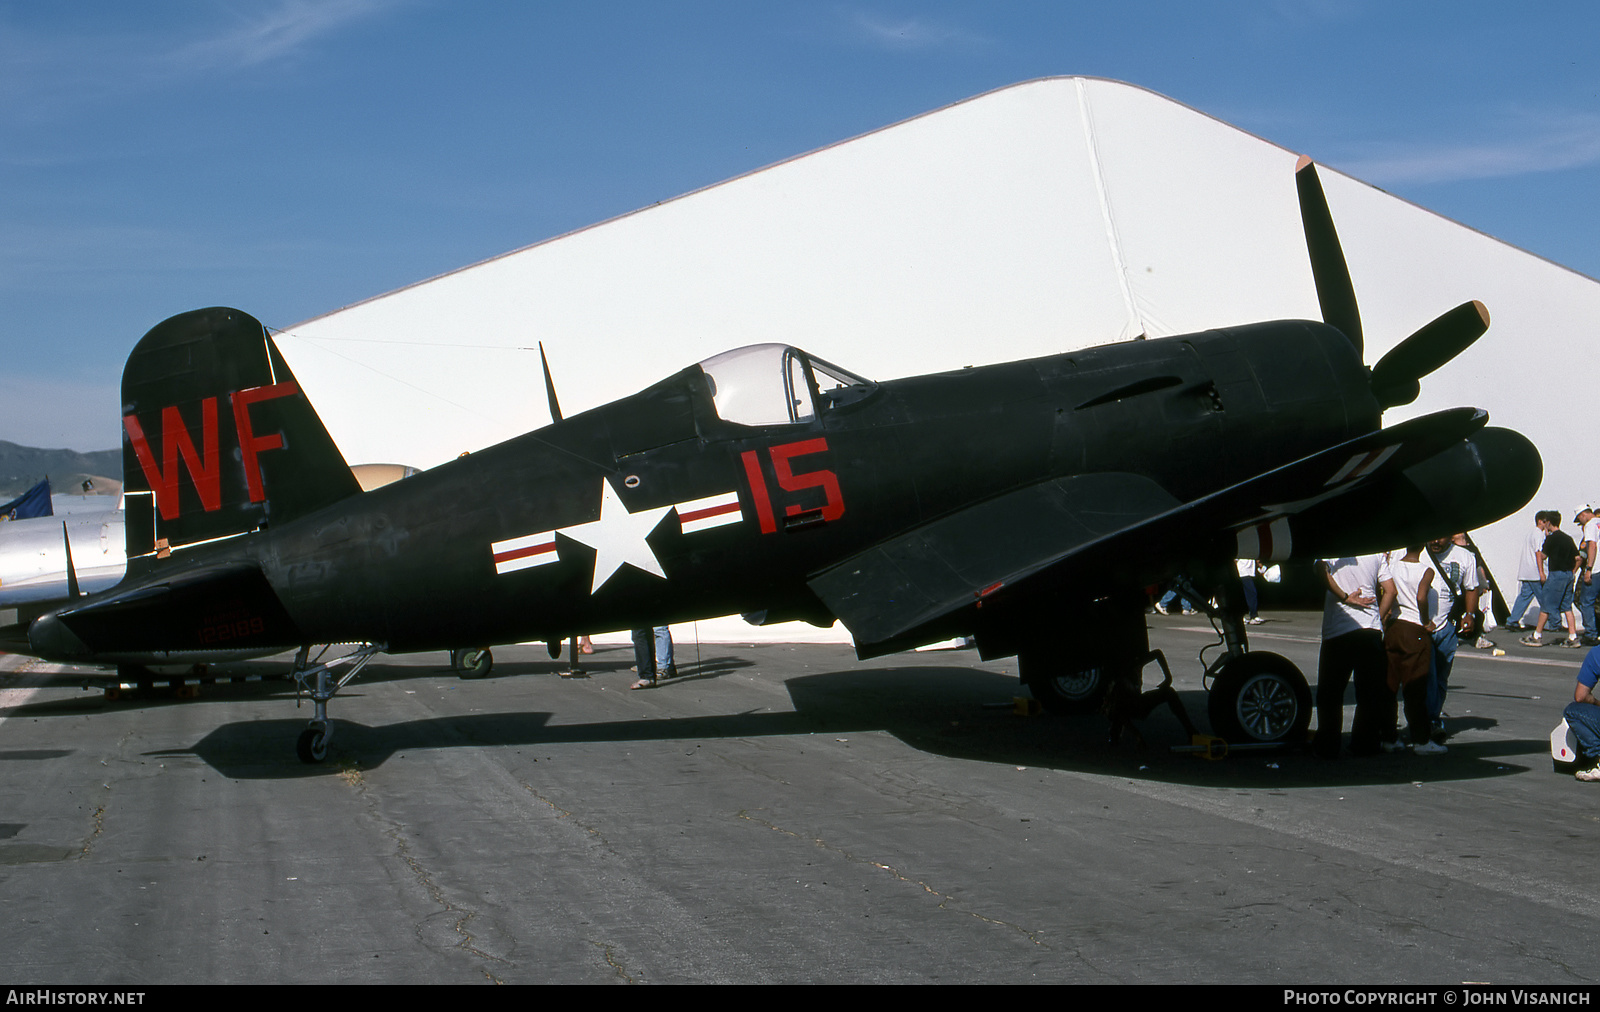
[(1583, 717), (664, 666), (1529, 577), (652, 655)]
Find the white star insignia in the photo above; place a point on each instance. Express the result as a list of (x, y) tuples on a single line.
[(618, 537)]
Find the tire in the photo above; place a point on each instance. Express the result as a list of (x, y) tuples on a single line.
[(311, 746), (1260, 697), (475, 663), (1068, 690)]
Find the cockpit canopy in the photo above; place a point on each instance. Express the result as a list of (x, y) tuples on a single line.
[(775, 384)]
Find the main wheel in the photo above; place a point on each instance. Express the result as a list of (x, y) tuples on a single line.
[(312, 745), (1065, 688), (475, 663), (1260, 697)]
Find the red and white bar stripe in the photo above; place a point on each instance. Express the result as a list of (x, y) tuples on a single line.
[(1268, 542), (712, 511), (525, 552), (540, 549)]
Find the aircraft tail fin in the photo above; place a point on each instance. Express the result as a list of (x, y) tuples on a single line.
[(218, 437)]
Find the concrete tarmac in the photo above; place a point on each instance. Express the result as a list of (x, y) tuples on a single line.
[(783, 814)]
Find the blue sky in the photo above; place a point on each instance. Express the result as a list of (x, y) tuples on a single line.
[(289, 157)]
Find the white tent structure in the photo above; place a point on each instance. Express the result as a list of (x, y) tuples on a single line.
[(1044, 217)]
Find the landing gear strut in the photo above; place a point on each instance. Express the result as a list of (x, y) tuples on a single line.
[(1255, 697), (316, 681)]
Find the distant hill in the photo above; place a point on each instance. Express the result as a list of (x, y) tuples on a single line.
[(22, 466)]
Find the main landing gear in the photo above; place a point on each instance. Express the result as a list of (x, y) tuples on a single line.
[(1071, 670), (1256, 697), (316, 680), (1095, 664), (1068, 687)]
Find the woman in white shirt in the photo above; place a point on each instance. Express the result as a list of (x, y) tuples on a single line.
[(1408, 642)]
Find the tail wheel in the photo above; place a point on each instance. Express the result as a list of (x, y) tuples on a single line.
[(1260, 697), (312, 745)]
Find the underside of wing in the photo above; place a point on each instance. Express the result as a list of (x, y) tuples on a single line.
[(911, 580)]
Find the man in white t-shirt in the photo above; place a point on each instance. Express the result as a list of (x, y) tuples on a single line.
[(1587, 586), (1453, 601), (1352, 644), (1529, 578)]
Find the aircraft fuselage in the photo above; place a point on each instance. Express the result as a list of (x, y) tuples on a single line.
[(656, 509)]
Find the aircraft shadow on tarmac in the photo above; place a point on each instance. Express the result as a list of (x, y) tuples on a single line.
[(953, 711)]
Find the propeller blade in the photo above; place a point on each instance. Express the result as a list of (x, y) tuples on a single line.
[(1394, 378), (1335, 294)]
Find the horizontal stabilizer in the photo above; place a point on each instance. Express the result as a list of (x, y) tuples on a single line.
[(224, 608), (14, 639)]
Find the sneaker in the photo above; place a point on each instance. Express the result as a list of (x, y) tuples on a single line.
[(1588, 776), (1189, 611), (1429, 748), (1393, 746), (1161, 609), (1514, 627), (1571, 641), (1484, 643), (1255, 620), (1531, 640)]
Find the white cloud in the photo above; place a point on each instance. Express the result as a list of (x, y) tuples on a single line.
[(276, 33), (43, 73), (909, 33), (1529, 143)]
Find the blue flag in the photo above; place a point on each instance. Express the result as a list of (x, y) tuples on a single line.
[(33, 503)]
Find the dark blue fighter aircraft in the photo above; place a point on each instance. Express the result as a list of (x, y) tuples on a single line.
[(1026, 504)]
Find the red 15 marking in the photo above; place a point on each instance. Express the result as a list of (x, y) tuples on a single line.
[(789, 481)]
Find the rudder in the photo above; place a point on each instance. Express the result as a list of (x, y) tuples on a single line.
[(218, 437)]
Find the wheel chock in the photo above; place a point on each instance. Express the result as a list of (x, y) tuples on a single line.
[(1204, 746), (1025, 706)]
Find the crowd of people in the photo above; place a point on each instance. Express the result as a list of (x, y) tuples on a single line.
[(1393, 622)]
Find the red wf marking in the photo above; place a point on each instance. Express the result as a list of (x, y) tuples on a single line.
[(205, 471), (789, 481)]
